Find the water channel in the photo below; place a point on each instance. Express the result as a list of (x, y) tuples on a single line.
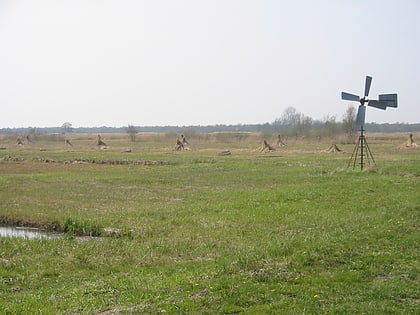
[(27, 233)]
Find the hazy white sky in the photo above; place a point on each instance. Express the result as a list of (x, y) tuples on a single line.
[(196, 62)]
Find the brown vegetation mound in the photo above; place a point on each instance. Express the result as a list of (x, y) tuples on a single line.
[(333, 149), (410, 143)]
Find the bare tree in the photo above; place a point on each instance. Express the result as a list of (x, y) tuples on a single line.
[(296, 122), (349, 122), (290, 117), (67, 127), (132, 132), (330, 126)]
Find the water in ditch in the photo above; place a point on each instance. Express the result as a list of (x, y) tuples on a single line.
[(25, 232)]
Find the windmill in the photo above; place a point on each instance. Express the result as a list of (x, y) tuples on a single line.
[(384, 101)]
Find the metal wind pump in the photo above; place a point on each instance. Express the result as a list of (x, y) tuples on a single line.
[(362, 149)]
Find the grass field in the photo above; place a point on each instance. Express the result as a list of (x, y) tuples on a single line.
[(191, 232)]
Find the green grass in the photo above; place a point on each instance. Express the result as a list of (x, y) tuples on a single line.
[(290, 232)]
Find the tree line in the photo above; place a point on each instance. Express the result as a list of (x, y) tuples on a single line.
[(290, 123)]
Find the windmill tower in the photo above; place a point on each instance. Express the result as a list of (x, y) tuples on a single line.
[(362, 149)]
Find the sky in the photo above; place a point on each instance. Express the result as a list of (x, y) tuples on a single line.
[(203, 62)]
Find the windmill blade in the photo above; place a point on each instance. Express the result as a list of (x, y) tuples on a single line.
[(390, 99), (367, 85), (378, 104), (361, 113), (349, 97)]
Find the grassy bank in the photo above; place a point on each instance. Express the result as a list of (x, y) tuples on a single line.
[(287, 232)]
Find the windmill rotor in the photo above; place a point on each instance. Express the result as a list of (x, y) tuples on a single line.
[(384, 101)]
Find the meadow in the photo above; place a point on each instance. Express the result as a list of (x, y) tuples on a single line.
[(292, 231)]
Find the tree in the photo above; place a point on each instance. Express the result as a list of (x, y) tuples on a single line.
[(67, 127), (296, 122), (305, 124), (331, 128), (349, 122), (132, 131), (290, 117)]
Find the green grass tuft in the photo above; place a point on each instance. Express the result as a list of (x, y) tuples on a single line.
[(72, 227)]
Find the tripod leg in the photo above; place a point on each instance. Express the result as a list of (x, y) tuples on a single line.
[(362, 155), (369, 153), (354, 155)]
